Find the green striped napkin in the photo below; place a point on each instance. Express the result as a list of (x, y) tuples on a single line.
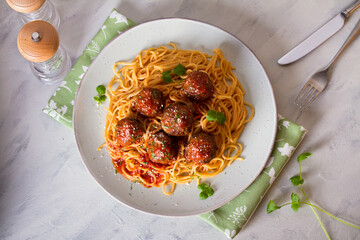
[(232, 217), (60, 105), (229, 218)]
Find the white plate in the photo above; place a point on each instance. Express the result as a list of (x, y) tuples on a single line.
[(257, 138)]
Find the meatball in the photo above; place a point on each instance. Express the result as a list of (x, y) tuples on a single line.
[(149, 102), (160, 148), (198, 86), (201, 149), (177, 119), (128, 131)]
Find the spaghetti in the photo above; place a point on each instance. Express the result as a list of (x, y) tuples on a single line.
[(146, 70)]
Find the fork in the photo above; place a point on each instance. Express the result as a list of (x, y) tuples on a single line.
[(318, 82)]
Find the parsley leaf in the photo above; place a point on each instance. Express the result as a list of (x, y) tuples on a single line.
[(101, 97), (296, 180), (202, 186), (206, 191), (166, 76), (209, 191), (203, 196), (271, 207), (303, 156), (213, 115), (221, 118), (101, 89), (97, 98), (179, 70), (295, 202)]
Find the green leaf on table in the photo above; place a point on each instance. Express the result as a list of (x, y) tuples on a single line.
[(296, 180), (180, 70), (271, 207), (166, 76), (295, 202), (303, 156)]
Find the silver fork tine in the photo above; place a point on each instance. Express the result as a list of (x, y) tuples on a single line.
[(309, 94), (310, 98), (303, 95), (299, 98), (317, 93)]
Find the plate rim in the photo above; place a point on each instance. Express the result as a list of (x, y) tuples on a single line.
[(275, 117)]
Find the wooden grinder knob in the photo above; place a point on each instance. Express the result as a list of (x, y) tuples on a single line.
[(38, 41), (25, 6)]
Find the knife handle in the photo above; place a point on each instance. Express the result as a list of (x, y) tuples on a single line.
[(347, 12)]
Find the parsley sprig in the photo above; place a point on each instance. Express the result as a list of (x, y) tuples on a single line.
[(101, 97), (167, 76), (206, 191), (179, 70), (295, 199), (213, 115)]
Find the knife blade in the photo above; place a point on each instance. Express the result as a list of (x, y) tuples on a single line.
[(319, 36)]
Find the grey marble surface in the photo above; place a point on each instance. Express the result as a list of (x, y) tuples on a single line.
[(46, 192)]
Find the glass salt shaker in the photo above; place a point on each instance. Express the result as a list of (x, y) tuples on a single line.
[(31, 10), (38, 42)]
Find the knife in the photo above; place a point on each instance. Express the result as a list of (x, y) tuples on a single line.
[(319, 36)]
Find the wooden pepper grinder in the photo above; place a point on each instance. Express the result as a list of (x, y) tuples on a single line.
[(31, 10), (38, 42)]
